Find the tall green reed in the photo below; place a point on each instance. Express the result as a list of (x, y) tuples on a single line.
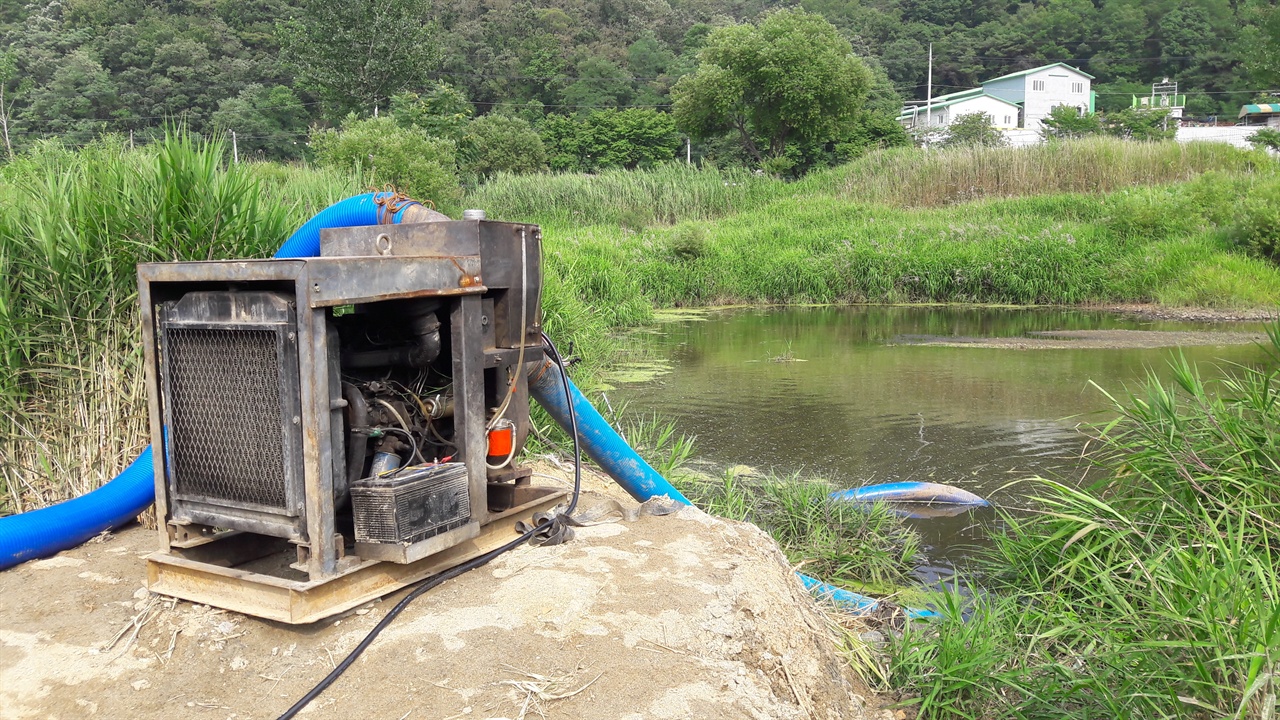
[(1150, 593), (73, 228)]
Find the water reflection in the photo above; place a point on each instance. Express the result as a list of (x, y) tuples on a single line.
[(827, 392)]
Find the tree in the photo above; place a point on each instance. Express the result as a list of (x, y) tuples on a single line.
[(413, 162), (1065, 122), (1268, 138), (76, 102), (501, 143), (443, 112), (633, 138), (355, 54), (8, 71), (792, 77), (600, 83), (1139, 124), (268, 122), (973, 130)]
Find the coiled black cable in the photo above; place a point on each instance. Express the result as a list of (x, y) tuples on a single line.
[(547, 527)]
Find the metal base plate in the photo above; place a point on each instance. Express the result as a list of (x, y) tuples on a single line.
[(248, 587)]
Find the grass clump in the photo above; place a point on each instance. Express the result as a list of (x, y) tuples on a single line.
[(73, 226), (866, 548), (850, 544), (1152, 593), (910, 178)]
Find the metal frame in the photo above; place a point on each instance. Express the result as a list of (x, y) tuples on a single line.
[(357, 266), (247, 587)]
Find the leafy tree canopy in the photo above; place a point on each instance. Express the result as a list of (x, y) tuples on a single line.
[(791, 77), (357, 53), (1066, 122)]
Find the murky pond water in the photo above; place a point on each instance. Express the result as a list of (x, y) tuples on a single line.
[(841, 393)]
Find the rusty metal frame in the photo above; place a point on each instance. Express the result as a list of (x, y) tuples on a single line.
[(258, 575)]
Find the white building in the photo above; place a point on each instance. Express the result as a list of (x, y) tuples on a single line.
[(1030, 94), (945, 108)]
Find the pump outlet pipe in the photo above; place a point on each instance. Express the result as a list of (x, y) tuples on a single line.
[(602, 443), (43, 532)]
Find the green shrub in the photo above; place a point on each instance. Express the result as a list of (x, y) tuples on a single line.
[(1266, 138), (501, 143), (1066, 122), (385, 153), (688, 242), (1257, 227), (973, 129)]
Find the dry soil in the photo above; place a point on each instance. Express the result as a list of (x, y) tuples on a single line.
[(681, 616)]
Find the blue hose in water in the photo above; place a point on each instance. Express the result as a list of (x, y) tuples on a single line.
[(852, 601), (43, 532), (911, 492)]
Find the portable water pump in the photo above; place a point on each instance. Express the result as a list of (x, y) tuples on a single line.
[(340, 426)]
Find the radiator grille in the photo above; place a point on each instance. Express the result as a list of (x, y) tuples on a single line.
[(225, 414)]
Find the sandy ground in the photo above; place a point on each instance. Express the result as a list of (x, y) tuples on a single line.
[(1090, 339), (681, 616)]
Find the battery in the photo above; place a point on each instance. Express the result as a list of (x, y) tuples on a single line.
[(411, 505)]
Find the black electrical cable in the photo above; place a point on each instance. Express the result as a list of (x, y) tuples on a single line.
[(573, 423), (546, 526)]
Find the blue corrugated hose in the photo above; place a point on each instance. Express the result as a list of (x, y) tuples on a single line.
[(602, 443)]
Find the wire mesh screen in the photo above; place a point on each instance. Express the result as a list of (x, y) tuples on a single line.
[(225, 417)]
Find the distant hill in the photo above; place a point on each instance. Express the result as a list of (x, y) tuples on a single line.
[(82, 67)]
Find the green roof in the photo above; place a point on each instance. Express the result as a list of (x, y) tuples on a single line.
[(958, 95), (1267, 109), (952, 98), (1038, 69)]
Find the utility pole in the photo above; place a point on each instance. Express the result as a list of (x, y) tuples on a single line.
[(7, 71), (928, 102), (235, 149), (688, 152)]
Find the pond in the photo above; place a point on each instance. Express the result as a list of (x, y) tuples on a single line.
[(866, 394)]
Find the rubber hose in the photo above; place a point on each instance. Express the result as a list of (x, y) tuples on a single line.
[(43, 532), (38, 533), (852, 601), (920, 492), (599, 439)]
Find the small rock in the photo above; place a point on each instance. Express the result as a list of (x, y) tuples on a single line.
[(142, 684), (239, 663), (141, 594), (872, 637), (362, 611)]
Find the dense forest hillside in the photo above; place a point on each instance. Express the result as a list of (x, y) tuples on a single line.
[(77, 68)]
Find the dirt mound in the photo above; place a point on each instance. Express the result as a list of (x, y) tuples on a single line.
[(680, 616)]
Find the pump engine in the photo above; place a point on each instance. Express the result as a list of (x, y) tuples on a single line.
[(336, 427)]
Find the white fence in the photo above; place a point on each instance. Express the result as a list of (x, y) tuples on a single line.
[(1232, 135), (1238, 136)]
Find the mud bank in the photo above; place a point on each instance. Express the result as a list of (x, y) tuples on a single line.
[(1089, 339), (666, 617)]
